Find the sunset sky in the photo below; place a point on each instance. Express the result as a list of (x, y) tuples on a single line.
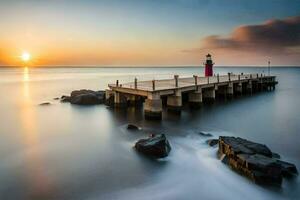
[(149, 32)]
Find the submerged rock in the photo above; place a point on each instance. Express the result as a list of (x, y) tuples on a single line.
[(157, 146), (133, 127), (254, 160), (45, 104), (205, 134), (212, 142)]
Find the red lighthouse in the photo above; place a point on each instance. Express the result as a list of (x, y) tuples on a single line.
[(209, 66)]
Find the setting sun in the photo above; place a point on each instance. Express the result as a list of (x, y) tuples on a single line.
[(25, 56)]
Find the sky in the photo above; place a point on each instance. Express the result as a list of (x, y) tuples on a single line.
[(150, 32)]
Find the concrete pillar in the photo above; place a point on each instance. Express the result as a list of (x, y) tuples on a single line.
[(239, 88), (132, 100), (195, 98), (229, 91), (249, 87), (153, 107), (209, 94), (174, 102), (119, 100)]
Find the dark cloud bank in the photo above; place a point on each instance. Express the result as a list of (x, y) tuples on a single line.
[(272, 37)]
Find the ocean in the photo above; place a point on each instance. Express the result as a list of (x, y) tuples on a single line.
[(64, 151)]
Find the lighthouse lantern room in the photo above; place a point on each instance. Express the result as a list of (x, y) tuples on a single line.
[(208, 66)]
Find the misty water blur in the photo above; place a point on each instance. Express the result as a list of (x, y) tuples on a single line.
[(64, 151)]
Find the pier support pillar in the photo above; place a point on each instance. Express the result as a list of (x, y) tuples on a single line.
[(230, 90), (239, 88), (153, 107), (174, 102), (195, 98), (119, 100), (249, 87), (209, 95)]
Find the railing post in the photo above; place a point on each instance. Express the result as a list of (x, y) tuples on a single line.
[(208, 80), (239, 77), (229, 79), (218, 78), (176, 80), (196, 79), (153, 85), (117, 83), (250, 76), (257, 75), (135, 83)]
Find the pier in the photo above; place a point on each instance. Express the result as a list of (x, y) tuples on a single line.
[(198, 89)]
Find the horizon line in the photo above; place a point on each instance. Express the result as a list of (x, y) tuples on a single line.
[(136, 66)]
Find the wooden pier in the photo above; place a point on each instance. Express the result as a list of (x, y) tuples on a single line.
[(199, 89)]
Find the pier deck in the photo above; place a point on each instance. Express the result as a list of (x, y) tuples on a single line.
[(199, 88)]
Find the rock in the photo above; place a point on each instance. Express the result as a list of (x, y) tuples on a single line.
[(56, 98), (275, 155), (288, 169), (132, 127), (157, 146), (85, 97), (45, 104), (205, 134), (212, 142), (65, 99), (254, 160)]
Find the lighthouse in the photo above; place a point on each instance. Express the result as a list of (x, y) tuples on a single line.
[(208, 66)]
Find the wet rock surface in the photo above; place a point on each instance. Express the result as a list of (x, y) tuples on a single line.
[(254, 160), (133, 127), (155, 146), (212, 142), (85, 97)]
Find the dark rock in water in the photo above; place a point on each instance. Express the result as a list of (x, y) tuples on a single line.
[(254, 160), (65, 99), (212, 142), (157, 146), (56, 98), (275, 155), (287, 169), (132, 127), (45, 104), (205, 134), (85, 97), (233, 146)]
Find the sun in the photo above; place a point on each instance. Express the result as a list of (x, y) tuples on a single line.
[(25, 56)]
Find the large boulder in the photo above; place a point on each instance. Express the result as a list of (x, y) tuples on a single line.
[(254, 160), (85, 97), (156, 146)]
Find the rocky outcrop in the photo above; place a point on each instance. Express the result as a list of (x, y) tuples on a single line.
[(155, 146), (254, 160), (85, 97)]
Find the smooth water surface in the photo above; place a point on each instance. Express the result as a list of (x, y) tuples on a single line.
[(64, 151)]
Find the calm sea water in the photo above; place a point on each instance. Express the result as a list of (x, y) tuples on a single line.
[(64, 151)]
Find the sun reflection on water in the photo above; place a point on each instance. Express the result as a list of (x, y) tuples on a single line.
[(37, 179)]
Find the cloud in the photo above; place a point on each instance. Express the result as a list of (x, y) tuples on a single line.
[(274, 38)]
